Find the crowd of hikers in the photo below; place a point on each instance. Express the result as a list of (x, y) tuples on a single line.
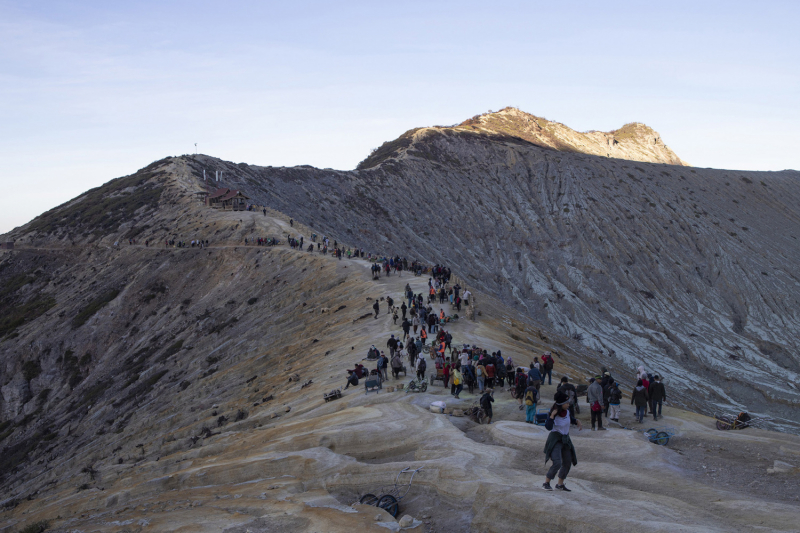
[(425, 346), (475, 368)]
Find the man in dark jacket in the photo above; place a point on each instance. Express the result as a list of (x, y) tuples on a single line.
[(406, 325), (486, 404), (392, 344), (657, 396), (376, 307), (640, 397)]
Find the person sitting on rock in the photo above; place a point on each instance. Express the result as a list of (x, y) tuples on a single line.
[(358, 370), (352, 379)]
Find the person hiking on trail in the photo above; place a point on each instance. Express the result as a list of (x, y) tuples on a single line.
[(548, 361), (421, 367), (614, 400), (510, 374), (558, 447), (657, 394), (431, 323), (520, 384), (534, 377), (594, 397), (376, 307), (468, 372), (394, 318), (423, 336), (446, 373), (381, 367), (641, 374), (572, 393), (486, 404), (397, 363), (392, 345), (406, 325), (458, 382), (531, 399), (291, 222), (490, 373), (480, 374), (415, 323), (390, 302), (403, 309), (639, 397)]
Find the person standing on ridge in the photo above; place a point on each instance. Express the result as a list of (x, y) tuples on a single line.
[(486, 404), (392, 345), (594, 397), (376, 307), (639, 397), (614, 400), (558, 447), (657, 394), (548, 361), (531, 399)]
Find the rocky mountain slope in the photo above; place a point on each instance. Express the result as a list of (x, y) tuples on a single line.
[(688, 271), (185, 394), (149, 387)]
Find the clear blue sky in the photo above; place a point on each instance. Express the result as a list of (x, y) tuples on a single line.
[(94, 90)]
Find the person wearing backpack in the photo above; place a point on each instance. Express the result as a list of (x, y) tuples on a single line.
[(548, 367), (594, 397), (421, 367), (376, 307), (397, 363), (480, 374), (486, 403), (531, 399), (458, 381), (469, 377), (559, 447)]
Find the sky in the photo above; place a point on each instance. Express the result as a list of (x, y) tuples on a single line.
[(94, 90)]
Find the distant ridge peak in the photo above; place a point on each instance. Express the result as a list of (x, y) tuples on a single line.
[(633, 141)]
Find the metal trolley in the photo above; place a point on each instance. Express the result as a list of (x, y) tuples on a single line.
[(390, 497)]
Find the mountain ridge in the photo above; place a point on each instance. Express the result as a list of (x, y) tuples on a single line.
[(634, 141), (162, 387)]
